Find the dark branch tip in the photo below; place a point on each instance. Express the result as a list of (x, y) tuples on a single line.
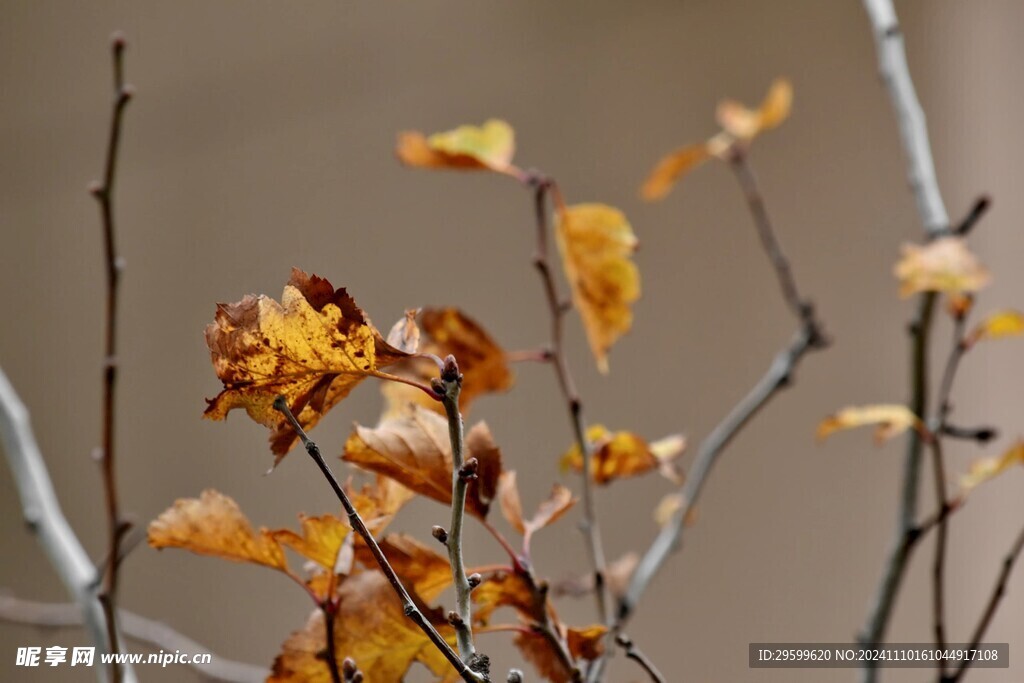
[(118, 41), (450, 370)]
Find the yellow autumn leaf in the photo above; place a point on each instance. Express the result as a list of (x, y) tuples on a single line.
[(313, 348), (998, 325), (988, 468), (596, 242), (890, 420), (617, 455), (746, 124), (214, 525), (490, 146), (739, 125), (943, 265), (320, 540)]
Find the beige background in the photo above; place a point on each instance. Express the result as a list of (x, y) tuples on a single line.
[(261, 139)]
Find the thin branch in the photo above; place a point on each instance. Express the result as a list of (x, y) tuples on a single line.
[(44, 518), (542, 187), (155, 634), (357, 523), (450, 386), (670, 538), (103, 191), (993, 602), (906, 528), (329, 607), (634, 653), (809, 337), (892, 66)]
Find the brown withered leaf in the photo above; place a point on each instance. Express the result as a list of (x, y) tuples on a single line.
[(617, 575), (597, 243), (617, 455), (414, 450), (548, 512), (503, 589), (214, 525), (371, 628), (988, 468), (313, 348), (586, 643), (425, 571), (539, 652), (943, 265), (378, 502), (486, 147), (482, 362), (891, 420), (740, 125)]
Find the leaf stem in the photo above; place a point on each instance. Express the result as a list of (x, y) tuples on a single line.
[(357, 523), (103, 192), (451, 386)]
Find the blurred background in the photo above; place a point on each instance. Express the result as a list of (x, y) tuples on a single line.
[(261, 138)]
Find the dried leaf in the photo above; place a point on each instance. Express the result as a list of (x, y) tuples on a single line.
[(371, 628), (739, 125), (214, 525), (746, 124), (998, 325), (539, 652), (943, 265), (425, 571), (487, 147), (482, 362), (624, 454), (377, 503), (313, 348), (548, 512), (988, 468), (503, 589), (617, 575), (671, 168), (596, 242), (586, 643), (405, 335), (320, 541), (414, 450), (891, 420)]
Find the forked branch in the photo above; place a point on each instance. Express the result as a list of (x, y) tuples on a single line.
[(357, 523)]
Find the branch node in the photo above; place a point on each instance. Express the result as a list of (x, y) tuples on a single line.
[(474, 580), (468, 471)]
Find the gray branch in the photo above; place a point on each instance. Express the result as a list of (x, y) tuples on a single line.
[(45, 519), (892, 66), (142, 629)]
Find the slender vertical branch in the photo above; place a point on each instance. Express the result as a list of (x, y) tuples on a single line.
[(450, 386), (103, 191), (993, 602), (810, 336), (329, 608), (892, 66), (634, 653), (591, 530), (357, 523), (44, 517)]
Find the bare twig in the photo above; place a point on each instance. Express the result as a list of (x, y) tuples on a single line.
[(542, 187), (45, 519), (892, 66), (993, 602), (634, 653), (138, 628), (329, 607), (809, 337), (449, 386), (103, 191), (357, 523)]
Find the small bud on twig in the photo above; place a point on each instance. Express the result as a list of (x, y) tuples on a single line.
[(515, 676), (450, 371), (469, 469), (437, 386), (440, 534), (474, 580), (454, 619)]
